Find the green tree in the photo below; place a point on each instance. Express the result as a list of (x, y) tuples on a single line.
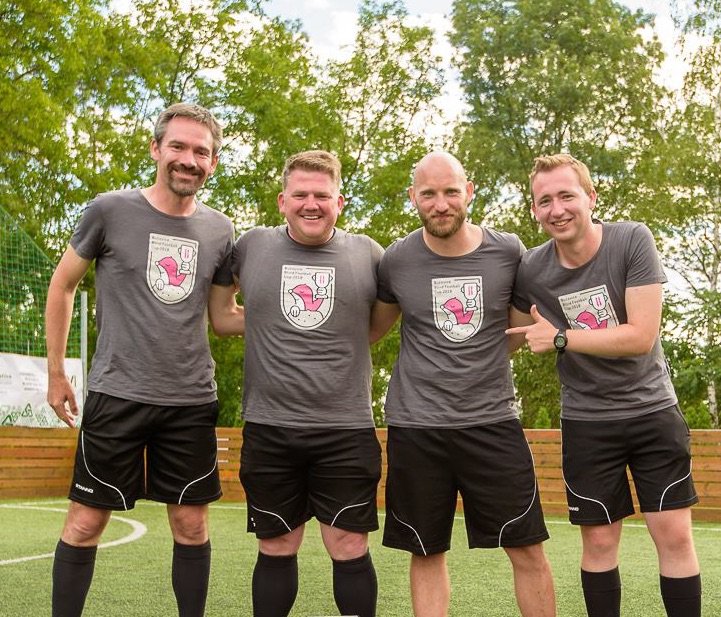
[(46, 55), (362, 108), (546, 76), (690, 198), (81, 85)]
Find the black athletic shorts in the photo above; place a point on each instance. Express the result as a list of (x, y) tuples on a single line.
[(293, 474), (656, 449), (491, 466), (118, 439)]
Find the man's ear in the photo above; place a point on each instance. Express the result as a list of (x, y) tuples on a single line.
[(154, 150), (593, 196), (470, 189), (214, 164)]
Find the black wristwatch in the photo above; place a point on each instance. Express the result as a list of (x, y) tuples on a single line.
[(560, 340)]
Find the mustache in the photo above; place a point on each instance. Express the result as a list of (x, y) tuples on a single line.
[(185, 169)]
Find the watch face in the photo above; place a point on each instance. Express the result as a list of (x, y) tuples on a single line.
[(560, 340)]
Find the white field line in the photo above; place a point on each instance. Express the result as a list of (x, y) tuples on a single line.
[(139, 530)]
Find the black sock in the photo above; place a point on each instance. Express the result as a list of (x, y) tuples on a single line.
[(602, 592), (191, 572), (275, 585), (682, 596), (355, 586), (72, 573)]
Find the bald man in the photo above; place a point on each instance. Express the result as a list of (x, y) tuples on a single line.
[(452, 419)]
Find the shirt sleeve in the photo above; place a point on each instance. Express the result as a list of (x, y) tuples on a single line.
[(89, 236), (224, 273), (643, 265), (385, 293)]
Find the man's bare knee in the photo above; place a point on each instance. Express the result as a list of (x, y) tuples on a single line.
[(84, 524)]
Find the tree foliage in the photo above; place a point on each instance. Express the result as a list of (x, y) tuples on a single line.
[(547, 76), (690, 195), (82, 83)]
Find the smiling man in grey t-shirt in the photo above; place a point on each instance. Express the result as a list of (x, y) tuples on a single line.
[(309, 443), (592, 293), (162, 269)]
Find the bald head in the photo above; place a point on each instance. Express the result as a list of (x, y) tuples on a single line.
[(441, 194), (436, 159)]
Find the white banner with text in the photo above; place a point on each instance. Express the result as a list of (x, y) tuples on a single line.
[(23, 388)]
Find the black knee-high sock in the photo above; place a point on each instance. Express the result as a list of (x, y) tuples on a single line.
[(602, 592), (275, 585), (682, 596), (190, 575), (72, 573), (355, 586)]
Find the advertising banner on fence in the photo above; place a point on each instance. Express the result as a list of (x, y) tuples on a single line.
[(23, 387)]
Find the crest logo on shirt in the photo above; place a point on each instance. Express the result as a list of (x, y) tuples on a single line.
[(172, 263), (307, 294), (458, 306), (589, 309)]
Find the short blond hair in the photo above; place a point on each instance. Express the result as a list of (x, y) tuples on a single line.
[(313, 160), (553, 161)]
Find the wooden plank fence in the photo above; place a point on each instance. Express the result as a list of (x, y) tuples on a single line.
[(36, 462)]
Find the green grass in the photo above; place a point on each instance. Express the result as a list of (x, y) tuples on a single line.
[(133, 579)]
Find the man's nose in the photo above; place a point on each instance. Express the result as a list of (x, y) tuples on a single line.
[(441, 204), (187, 159), (556, 205)]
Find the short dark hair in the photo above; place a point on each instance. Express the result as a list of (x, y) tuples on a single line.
[(194, 112)]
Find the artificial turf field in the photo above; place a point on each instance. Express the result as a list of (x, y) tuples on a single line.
[(132, 577)]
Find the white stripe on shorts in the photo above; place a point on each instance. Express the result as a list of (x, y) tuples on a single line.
[(530, 505), (423, 548), (85, 461), (187, 486)]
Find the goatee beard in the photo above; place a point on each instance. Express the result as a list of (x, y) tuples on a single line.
[(184, 192), (183, 189), (443, 233)]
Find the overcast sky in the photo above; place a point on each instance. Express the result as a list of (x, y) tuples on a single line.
[(331, 24), (331, 28)]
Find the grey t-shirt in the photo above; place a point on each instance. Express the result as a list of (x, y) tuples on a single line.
[(152, 276), (307, 316), (452, 370), (593, 296)]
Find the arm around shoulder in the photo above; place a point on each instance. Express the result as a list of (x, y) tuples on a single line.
[(383, 316), (226, 317)]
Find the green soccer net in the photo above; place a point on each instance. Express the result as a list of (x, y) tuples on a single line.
[(25, 273)]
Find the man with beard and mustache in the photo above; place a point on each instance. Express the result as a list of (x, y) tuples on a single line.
[(452, 419), (148, 429)]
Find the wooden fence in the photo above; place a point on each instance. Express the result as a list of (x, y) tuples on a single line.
[(38, 463)]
